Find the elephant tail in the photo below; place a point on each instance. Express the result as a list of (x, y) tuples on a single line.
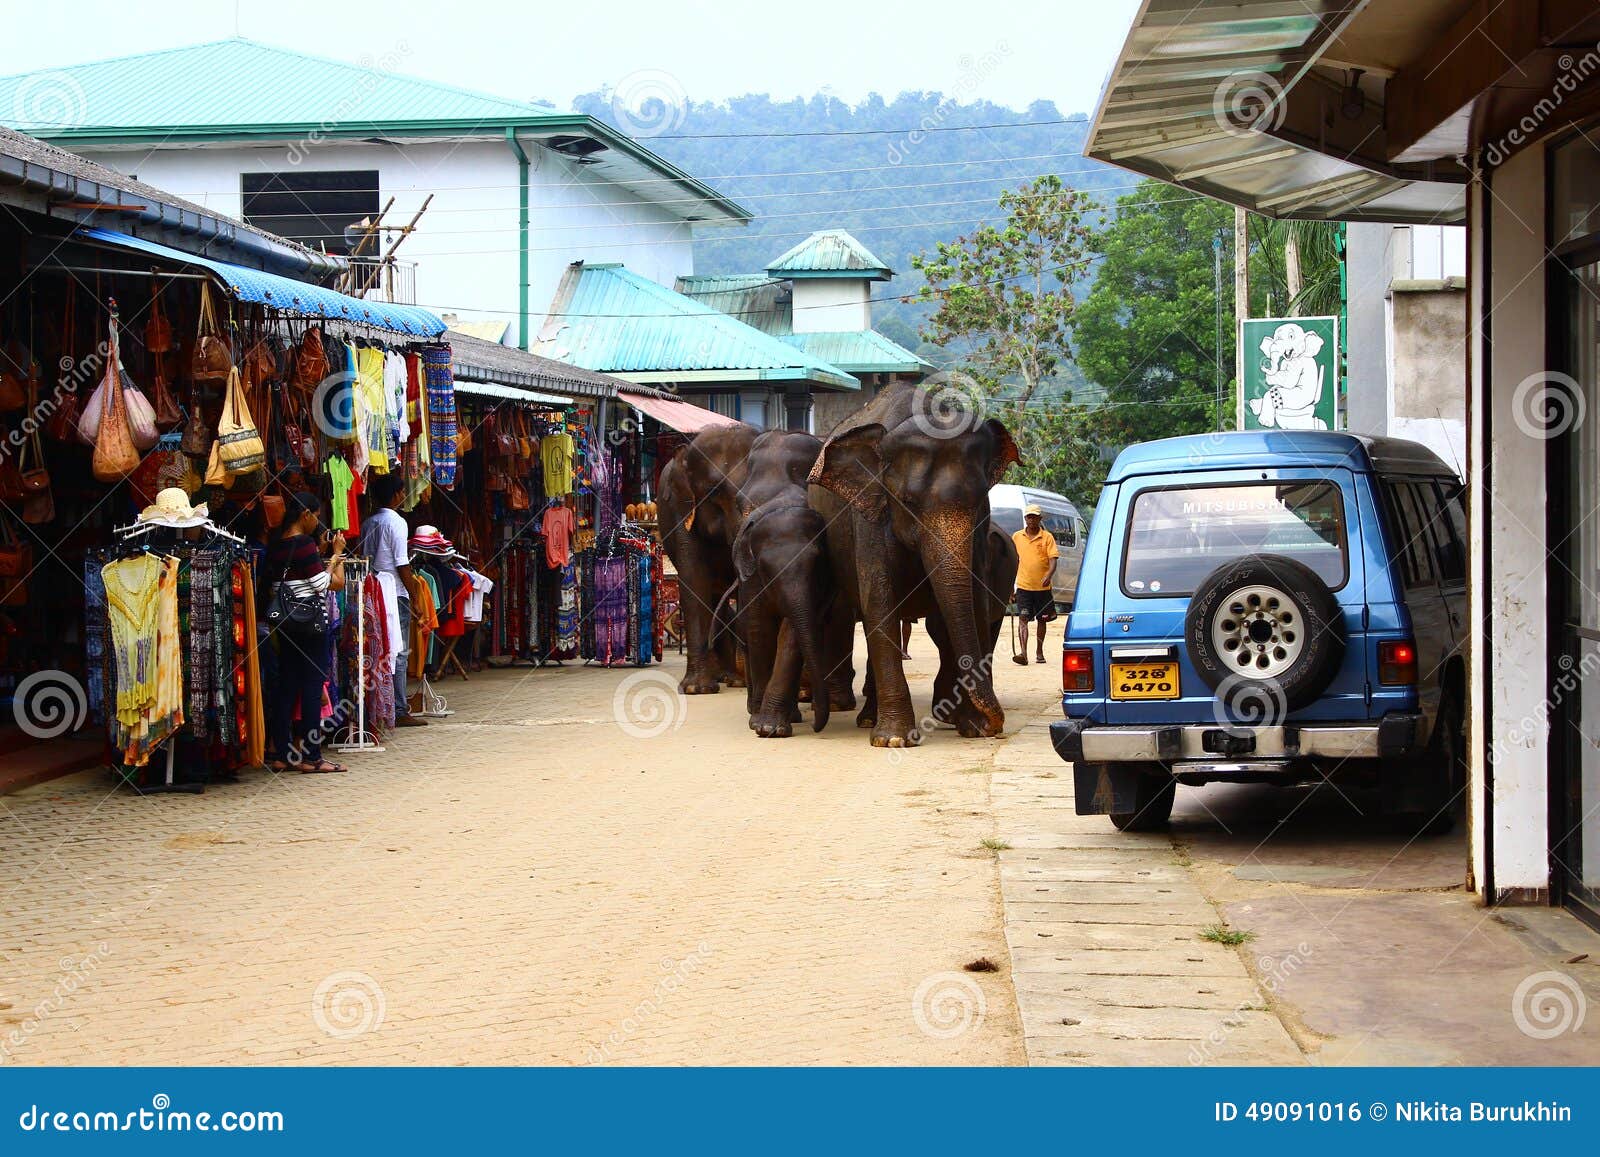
[(723, 622), (811, 649)]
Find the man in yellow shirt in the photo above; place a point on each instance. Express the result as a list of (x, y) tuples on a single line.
[(1037, 558)]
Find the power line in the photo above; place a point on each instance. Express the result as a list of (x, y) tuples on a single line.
[(1094, 167)]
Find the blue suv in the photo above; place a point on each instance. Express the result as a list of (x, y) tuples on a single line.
[(1269, 606)]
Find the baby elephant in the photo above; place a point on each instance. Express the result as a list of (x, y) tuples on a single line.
[(785, 589)]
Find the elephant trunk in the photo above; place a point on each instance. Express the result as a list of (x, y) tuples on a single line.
[(806, 623), (948, 557)]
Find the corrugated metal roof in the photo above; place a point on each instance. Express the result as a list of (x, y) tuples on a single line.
[(831, 251), (763, 302), (286, 294), (494, 331), (241, 90), (859, 351), (25, 160), (509, 393), (608, 318), (475, 360), (1233, 99), (234, 82)]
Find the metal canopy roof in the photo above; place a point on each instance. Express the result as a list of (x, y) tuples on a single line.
[(509, 393), (284, 293), (1233, 100)]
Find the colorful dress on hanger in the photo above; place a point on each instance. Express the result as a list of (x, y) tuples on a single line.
[(611, 610), (440, 385)]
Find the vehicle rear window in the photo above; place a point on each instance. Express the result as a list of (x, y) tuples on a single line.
[(1177, 536)]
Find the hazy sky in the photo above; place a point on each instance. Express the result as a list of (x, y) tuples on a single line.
[(1007, 51)]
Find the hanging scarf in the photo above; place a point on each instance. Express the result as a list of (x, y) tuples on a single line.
[(440, 384)]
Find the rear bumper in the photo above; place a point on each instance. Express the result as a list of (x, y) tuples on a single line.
[(1244, 748)]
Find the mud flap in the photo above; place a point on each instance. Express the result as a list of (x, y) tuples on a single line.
[(1102, 789)]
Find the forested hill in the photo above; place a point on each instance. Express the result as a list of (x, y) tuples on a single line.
[(899, 191)]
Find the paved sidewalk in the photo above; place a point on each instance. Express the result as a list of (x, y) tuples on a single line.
[(525, 883), (1103, 927)]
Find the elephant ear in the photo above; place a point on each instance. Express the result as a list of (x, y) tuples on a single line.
[(675, 481), (851, 467), (744, 556), (1005, 450)]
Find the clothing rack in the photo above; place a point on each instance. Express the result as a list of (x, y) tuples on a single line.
[(359, 738), (126, 534)]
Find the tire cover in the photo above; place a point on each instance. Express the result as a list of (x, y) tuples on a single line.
[(1320, 638)]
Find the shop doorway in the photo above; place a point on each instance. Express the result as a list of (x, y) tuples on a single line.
[(1573, 409)]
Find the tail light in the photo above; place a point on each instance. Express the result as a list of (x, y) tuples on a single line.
[(1077, 669), (1397, 663)]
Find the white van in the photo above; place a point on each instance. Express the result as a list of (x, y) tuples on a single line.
[(1061, 520)]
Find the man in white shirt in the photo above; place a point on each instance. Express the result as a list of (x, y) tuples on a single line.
[(384, 541)]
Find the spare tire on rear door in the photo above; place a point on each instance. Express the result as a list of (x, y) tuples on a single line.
[(1265, 630)]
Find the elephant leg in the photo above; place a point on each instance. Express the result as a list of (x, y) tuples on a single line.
[(944, 683), (896, 724), (763, 636), (838, 645), (698, 602), (779, 711), (868, 716)]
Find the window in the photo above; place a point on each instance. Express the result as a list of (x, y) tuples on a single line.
[(1060, 528), (1452, 528), (1177, 537), (313, 208), (1421, 530)]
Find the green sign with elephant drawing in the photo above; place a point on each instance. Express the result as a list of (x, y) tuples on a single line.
[(1289, 373)]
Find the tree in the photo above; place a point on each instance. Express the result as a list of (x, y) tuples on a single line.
[(1314, 246), (1147, 333), (1009, 289)]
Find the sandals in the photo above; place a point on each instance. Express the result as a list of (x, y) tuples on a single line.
[(1020, 660), (321, 767)]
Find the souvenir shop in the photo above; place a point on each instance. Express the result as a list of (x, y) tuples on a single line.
[(156, 409), (540, 501)]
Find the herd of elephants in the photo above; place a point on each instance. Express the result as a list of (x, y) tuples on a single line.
[(883, 523)]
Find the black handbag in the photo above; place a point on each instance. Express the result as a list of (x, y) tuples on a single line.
[(297, 610)]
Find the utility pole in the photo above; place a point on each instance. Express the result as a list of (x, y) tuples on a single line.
[(1241, 304), (1216, 266), (1291, 268)]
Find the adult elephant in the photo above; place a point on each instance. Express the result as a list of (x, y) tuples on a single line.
[(915, 476), (701, 506)]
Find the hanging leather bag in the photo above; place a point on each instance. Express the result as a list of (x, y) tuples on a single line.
[(16, 563), (62, 424), (157, 329), (115, 456), (238, 441), (141, 415), (311, 359), (18, 371), (212, 359), (169, 415)]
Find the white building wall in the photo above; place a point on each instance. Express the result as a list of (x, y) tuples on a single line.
[(1514, 605), (832, 304), (466, 244)]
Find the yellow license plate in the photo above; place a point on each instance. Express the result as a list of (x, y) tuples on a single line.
[(1144, 680)]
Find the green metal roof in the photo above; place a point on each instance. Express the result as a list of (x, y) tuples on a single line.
[(241, 90), (608, 318), (762, 302), (830, 253), (860, 351)]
